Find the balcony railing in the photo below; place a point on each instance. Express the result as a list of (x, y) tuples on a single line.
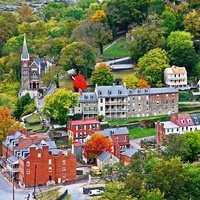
[(15, 169)]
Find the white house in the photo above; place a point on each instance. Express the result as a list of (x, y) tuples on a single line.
[(176, 77)]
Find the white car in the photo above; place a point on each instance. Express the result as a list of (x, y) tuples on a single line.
[(95, 192)]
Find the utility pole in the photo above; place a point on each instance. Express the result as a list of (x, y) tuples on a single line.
[(13, 187), (35, 182)]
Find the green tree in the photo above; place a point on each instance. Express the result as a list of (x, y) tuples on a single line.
[(85, 3), (74, 13), (143, 39), (102, 75), (152, 65), (57, 105), (168, 22), (130, 80), (78, 56), (177, 146), (181, 50), (153, 195), (122, 13), (94, 33), (156, 6)]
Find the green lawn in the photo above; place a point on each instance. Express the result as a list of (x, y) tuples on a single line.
[(33, 118), (66, 82), (140, 132), (136, 119), (117, 50), (122, 73)]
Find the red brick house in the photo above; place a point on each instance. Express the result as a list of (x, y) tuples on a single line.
[(127, 156), (78, 130), (178, 124), (37, 161)]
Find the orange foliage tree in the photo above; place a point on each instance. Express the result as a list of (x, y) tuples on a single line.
[(8, 123), (80, 82), (142, 83), (99, 16), (96, 145)]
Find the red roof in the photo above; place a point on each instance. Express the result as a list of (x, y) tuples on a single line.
[(182, 120), (84, 121), (77, 144)]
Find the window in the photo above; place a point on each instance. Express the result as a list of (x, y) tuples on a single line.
[(177, 129), (186, 128), (157, 96), (101, 100), (124, 138), (28, 163), (109, 92), (119, 92), (28, 171), (50, 169), (63, 162), (172, 100), (39, 155), (100, 92), (50, 161), (101, 108), (80, 127), (63, 169), (64, 175), (172, 95)]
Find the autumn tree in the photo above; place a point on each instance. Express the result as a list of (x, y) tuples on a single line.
[(97, 144), (57, 105), (130, 80), (102, 75), (79, 82), (152, 65), (78, 56), (7, 123), (142, 83)]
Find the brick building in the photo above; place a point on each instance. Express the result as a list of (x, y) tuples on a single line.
[(115, 102), (178, 124), (37, 162), (78, 130)]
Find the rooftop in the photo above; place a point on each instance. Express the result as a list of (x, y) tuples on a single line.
[(84, 121), (114, 131), (103, 156)]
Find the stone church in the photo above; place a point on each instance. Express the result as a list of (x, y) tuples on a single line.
[(30, 70)]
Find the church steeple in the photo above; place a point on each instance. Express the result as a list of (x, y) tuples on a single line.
[(25, 54)]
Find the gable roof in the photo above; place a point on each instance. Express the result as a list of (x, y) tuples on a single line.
[(114, 131), (103, 156), (130, 152), (84, 121), (182, 120), (88, 97)]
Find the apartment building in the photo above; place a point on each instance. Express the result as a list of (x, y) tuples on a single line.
[(176, 77), (178, 124), (78, 130), (118, 102), (35, 161)]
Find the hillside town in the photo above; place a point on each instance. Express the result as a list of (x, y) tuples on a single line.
[(100, 100)]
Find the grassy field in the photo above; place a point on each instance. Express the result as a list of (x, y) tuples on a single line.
[(33, 118), (66, 82), (51, 195), (118, 50), (139, 132)]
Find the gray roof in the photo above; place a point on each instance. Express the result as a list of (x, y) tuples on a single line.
[(195, 118), (149, 91), (114, 131), (169, 124), (111, 91), (25, 54), (88, 97), (103, 156), (130, 152), (13, 160)]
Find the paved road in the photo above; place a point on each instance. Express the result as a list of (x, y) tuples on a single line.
[(191, 102), (135, 143), (76, 191), (40, 103)]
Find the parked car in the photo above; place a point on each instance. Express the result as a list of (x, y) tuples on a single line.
[(95, 192)]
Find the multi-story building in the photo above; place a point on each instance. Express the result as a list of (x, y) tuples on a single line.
[(34, 161), (78, 130), (118, 102), (178, 124), (176, 77)]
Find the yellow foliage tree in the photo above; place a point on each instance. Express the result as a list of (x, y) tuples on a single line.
[(99, 16)]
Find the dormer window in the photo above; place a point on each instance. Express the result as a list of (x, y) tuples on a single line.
[(100, 92), (119, 92), (183, 121), (188, 120), (91, 96), (109, 92), (86, 97)]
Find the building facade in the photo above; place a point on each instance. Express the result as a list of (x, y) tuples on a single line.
[(36, 160), (118, 102), (178, 124), (176, 77), (78, 130)]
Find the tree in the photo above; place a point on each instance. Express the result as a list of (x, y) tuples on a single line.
[(143, 39), (192, 23), (168, 22), (57, 105), (102, 75), (122, 13), (78, 56), (85, 3), (74, 13), (7, 123), (142, 83), (193, 140), (130, 80), (96, 145), (93, 32), (152, 65), (176, 146), (153, 195), (79, 82), (181, 50)]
